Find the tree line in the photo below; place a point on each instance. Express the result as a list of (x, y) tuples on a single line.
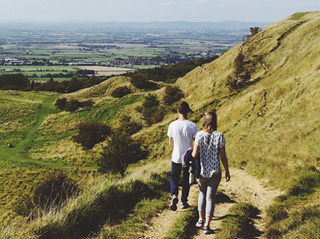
[(21, 82), (143, 79)]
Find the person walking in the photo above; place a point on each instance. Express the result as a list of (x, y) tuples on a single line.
[(181, 133), (211, 145)]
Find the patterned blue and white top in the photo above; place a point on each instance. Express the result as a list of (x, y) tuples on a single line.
[(209, 144)]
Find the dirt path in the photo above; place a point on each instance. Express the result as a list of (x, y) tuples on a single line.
[(241, 188)]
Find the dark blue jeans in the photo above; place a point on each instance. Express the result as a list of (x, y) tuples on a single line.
[(174, 179)]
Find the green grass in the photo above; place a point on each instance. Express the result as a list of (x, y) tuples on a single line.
[(134, 226), (184, 226), (296, 212), (15, 154), (143, 211), (238, 222), (298, 16), (108, 202), (108, 111)]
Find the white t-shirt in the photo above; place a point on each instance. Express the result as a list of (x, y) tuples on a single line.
[(209, 144), (182, 132)]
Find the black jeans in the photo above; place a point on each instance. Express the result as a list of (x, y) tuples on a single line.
[(174, 179)]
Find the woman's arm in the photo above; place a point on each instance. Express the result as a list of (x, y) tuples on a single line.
[(224, 160), (195, 151)]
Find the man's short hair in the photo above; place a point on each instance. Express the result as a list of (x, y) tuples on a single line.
[(184, 108)]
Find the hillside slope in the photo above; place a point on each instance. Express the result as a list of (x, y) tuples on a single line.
[(273, 125), (265, 91)]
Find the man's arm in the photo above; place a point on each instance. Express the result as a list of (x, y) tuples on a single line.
[(171, 141)]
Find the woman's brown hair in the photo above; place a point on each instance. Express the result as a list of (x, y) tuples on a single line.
[(209, 122)]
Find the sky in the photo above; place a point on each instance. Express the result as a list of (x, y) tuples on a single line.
[(42, 11)]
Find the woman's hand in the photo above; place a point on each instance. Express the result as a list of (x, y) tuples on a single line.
[(227, 176)]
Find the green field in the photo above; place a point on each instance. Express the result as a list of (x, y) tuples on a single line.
[(34, 141)]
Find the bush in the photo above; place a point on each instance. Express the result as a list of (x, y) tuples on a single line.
[(138, 80), (61, 103), (151, 110), (53, 191), (141, 81), (72, 105), (91, 133), (129, 126), (119, 153), (171, 95), (121, 91), (86, 103)]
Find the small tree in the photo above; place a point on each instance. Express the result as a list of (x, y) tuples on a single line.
[(255, 30), (172, 94), (150, 107), (239, 64), (91, 133), (119, 153), (139, 80)]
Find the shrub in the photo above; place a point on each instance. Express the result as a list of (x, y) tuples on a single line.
[(171, 95), (141, 81), (129, 126), (239, 63), (119, 153), (151, 110), (91, 133), (61, 103), (121, 91), (72, 105), (55, 189), (86, 103)]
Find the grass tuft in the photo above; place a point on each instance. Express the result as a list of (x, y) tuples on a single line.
[(304, 182), (183, 228), (291, 215), (238, 223)]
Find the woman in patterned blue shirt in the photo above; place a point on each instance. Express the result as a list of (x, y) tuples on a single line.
[(211, 145)]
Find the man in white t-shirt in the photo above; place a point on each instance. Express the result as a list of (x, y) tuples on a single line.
[(181, 132)]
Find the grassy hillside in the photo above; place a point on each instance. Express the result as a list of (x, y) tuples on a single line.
[(265, 91), (273, 125), (271, 118)]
